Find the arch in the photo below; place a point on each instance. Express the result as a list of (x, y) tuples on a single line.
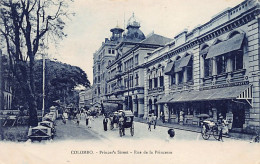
[(150, 104), (234, 32), (217, 41), (155, 107)]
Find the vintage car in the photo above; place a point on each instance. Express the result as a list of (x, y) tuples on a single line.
[(39, 133)]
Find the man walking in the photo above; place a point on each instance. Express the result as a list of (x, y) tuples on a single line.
[(149, 121)]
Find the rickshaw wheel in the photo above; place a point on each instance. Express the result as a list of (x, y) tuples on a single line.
[(132, 130), (120, 132), (205, 134), (216, 133)]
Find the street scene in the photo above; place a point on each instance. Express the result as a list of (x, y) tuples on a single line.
[(129, 81)]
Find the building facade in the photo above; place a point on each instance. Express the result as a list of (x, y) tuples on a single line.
[(125, 74), (213, 69), (6, 95), (102, 58), (85, 98)]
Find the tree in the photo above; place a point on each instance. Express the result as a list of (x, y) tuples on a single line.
[(61, 79), (25, 25)]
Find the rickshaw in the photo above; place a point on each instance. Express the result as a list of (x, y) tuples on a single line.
[(114, 119), (126, 120)]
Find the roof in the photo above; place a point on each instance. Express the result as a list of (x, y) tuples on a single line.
[(229, 45), (204, 95), (156, 39)]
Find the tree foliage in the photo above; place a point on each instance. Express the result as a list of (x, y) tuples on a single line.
[(61, 79), (25, 26)]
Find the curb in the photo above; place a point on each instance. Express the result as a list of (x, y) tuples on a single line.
[(195, 131)]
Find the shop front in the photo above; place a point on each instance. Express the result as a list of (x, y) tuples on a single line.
[(233, 103)]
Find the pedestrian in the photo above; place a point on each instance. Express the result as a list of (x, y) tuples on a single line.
[(154, 120), (121, 123), (64, 117), (78, 118), (171, 133), (90, 119), (163, 118), (149, 121), (220, 127), (86, 115), (105, 121)]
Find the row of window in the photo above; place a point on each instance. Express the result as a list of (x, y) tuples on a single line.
[(153, 82), (128, 82), (224, 63)]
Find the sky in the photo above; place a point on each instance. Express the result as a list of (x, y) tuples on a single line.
[(94, 18)]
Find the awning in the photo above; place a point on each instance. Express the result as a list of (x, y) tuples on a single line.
[(211, 94), (176, 66), (169, 68), (114, 100), (229, 45), (185, 61), (164, 99)]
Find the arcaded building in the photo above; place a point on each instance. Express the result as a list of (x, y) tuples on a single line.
[(212, 69)]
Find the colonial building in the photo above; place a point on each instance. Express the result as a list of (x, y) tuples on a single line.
[(85, 98), (105, 55), (211, 69), (125, 74), (6, 95)]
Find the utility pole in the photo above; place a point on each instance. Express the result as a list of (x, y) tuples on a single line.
[(43, 84)]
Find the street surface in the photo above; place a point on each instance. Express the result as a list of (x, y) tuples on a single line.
[(72, 131), (76, 144)]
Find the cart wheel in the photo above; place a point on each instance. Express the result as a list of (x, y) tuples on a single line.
[(132, 130), (205, 133), (120, 132), (216, 133)]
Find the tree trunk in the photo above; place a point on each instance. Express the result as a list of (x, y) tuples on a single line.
[(33, 119)]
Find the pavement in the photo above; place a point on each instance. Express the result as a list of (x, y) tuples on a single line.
[(197, 129)]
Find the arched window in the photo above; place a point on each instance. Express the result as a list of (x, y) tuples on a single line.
[(207, 62), (150, 82), (221, 64), (237, 55), (150, 105), (155, 81), (161, 80), (221, 61), (189, 68)]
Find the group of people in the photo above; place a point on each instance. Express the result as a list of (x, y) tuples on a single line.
[(80, 115), (151, 120)]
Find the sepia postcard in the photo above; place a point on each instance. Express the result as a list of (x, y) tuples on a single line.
[(129, 81)]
